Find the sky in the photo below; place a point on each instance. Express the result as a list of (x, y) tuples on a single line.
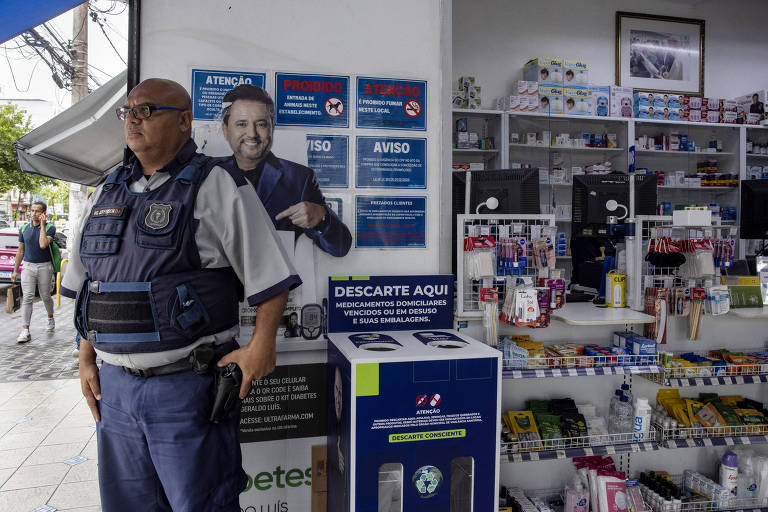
[(23, 79)]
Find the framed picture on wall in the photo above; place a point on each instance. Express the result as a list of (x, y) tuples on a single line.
[(660, 53)]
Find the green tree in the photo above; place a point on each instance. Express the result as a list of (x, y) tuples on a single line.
[(14, 123)]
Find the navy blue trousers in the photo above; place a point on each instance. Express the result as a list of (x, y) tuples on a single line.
[(157, 449)]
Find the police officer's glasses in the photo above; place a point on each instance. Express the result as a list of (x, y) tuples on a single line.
[(142, 111)]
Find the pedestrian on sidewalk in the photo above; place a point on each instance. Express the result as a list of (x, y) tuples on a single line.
[(34, 241)]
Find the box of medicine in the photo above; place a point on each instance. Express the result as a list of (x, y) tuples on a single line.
[(644, 99), (693, 102), (457, 98), (544, 70), (672, 114), (575, 72), (599, 100), (550, 99), (522, 87), (465, 81), (575, 100), (730, 105), (728, 117), (694, 115), (753, 118), (533, 88), (644, 112), (621, 101)]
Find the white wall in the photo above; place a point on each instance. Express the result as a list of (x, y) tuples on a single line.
[(399, 38), (492, 39)]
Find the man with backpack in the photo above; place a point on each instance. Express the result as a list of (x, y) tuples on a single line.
[(35, 241)]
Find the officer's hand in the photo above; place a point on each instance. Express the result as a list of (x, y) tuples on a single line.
[(256, 361), (14, 274), (304, 214), (89, 383)]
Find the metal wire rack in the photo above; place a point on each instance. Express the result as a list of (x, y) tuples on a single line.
[(718, 500), (518, 446), (528, 226), (553, 361), (673, 433)]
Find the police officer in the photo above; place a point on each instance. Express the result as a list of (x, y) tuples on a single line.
[(170, 244), (289, 191)]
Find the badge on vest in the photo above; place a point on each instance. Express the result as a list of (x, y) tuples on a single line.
[(158, 216)]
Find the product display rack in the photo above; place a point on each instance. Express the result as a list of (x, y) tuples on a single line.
[(570, 447), (555, 381), (732, 504)]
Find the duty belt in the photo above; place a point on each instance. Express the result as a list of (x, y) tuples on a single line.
[(202, 360)]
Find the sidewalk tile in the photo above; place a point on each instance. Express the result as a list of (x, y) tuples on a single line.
[(61, 435), (49, 454), (36, 476), (76, 494), (24, 500), (84, 472), (22, 440), (13, 458)]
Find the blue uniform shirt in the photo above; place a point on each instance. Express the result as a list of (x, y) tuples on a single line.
[(31, 240), (280, 184)]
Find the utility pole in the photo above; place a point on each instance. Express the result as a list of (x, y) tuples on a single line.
[(79, 193)]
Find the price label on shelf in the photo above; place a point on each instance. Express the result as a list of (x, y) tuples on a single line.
[(590, 371)]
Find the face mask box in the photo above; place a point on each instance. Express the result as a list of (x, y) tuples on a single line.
[(669, 100), (550, 99), (672, 114), (621, 101), (644, 99), (599, 101), (575, 100), (575, 72), (644, 112), (544, 71)]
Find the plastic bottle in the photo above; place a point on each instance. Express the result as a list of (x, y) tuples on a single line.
[(642, 420), (576, 497), (612, 410), (624, 416), (747, 478), (625, 390), (729, 472)]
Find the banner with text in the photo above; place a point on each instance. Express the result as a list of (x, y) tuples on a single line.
[(386, 221), (311, 100), (210, 85), (391, 162), (390, 303), (391, 103)]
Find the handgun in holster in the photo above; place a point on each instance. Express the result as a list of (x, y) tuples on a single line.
[(227, 381)]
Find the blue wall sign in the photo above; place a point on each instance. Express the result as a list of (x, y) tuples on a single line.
[(328, 156), (391, 103), (311, 100), (390, 303), (210, 85), (391, 162), (386, 221)]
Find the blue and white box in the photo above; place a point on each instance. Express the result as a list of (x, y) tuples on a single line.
[(599, 100)]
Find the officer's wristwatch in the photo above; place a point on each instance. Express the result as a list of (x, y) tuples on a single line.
[(320, 226)]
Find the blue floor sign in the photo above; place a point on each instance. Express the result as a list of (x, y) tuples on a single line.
[(391, 103), (210, 85), (328, 156), (391, 162), (311, 100), (386, 221)]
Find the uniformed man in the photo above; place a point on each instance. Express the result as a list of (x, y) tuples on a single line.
[(169, 244), (289, 191)]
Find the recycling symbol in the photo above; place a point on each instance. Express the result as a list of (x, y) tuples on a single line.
[(427, 480)]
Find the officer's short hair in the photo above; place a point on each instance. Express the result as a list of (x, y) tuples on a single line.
[(41, 203), (247, 92)]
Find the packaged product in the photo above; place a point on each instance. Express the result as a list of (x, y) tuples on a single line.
[(524, 426)]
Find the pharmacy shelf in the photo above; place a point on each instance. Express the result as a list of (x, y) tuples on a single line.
[(477, 112), (557, 184), (566, 117), (585, 313), (715, 441), (682, 153), (692, 382), (757, 157), (566, 148), (749, 312), (687, 123), (564, 257), (713, 189), (470, 151), (546, 373), (569, 453)]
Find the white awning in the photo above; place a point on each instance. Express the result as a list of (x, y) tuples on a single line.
[(83, 143)]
